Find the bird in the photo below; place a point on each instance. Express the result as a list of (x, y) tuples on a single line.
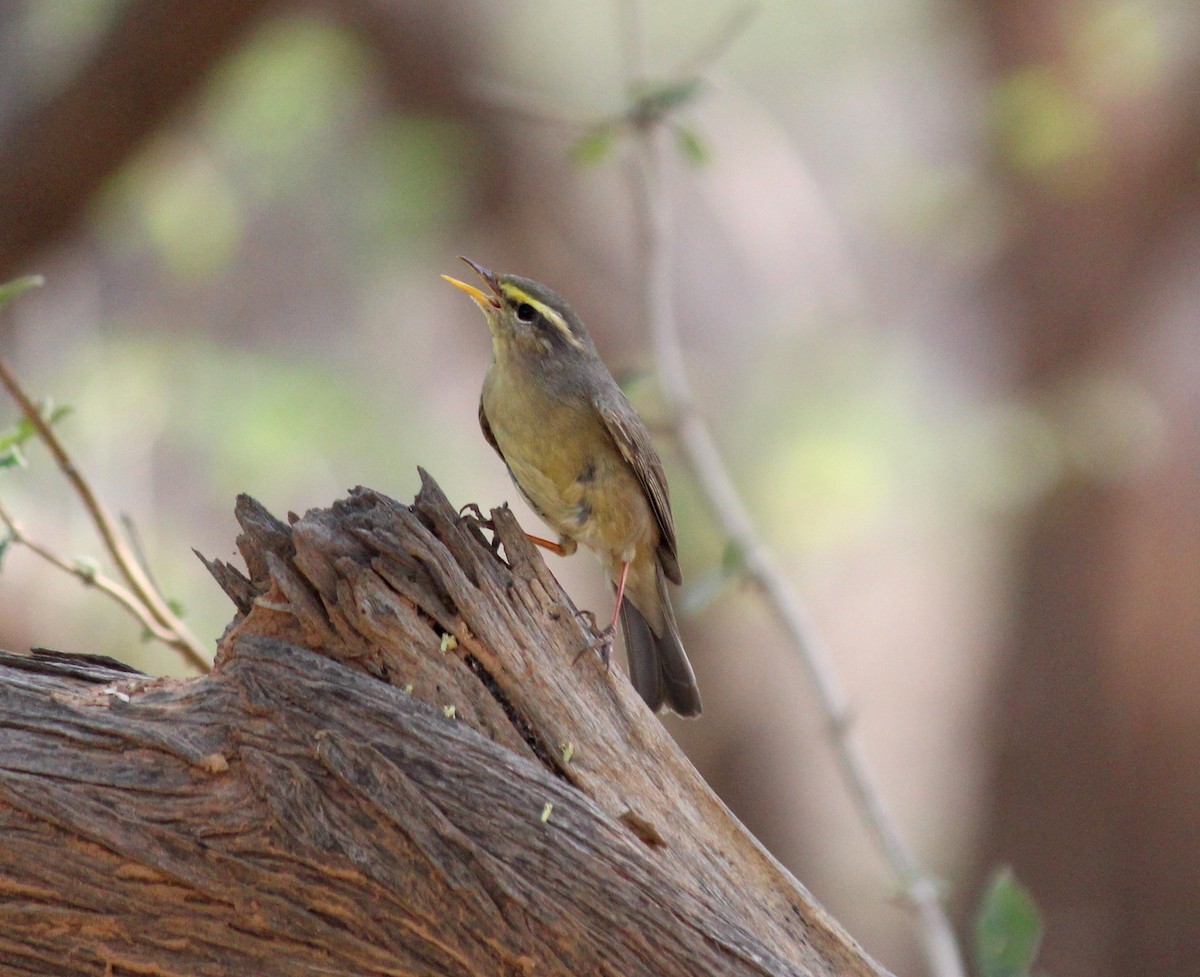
[(584, 460)]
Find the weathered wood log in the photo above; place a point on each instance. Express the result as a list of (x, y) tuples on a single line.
[(400, 765)]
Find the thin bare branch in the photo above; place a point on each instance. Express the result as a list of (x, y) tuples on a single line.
[(653, 216), (632, 44), (729, 30), (89, 577), (520, 105), (139, 584), (135, 544)]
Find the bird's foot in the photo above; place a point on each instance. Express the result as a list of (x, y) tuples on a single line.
[(601, 643), (471, 515), (472, 511)]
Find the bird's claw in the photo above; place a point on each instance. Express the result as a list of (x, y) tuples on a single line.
[(601, 644), (472, 515), (476, 514)]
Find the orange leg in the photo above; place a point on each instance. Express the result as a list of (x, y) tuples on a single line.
[(477, 514), (555, 548)]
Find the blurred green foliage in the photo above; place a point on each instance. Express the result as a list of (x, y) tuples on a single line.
[(1008, 928), (18, 286), (289, 123), (1049, 122), (278, 98), (53, 36), (1120, 46), (11, 440), (1042, 123), (290, 132), (840, 431)]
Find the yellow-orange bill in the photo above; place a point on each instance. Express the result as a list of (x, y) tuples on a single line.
[(482, 299)]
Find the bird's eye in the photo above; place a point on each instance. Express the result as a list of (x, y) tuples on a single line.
[(526, 312)]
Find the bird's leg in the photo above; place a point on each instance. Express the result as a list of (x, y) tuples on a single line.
[(472, 512), (620, 596), (603, 643), (556, 548)]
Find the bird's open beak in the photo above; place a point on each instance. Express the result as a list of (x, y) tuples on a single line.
[(488, 303)]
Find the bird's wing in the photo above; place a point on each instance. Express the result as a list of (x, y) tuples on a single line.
[(633, 441), (487, 431)]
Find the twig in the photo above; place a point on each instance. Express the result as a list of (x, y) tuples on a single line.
[(139, 552), (90, 578), (653, 217), (168, 627), (512, 102), (731, 29)]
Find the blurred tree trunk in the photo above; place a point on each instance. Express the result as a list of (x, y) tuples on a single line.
[(469, 797), (56, 155), (1096, 755), (157, 54)]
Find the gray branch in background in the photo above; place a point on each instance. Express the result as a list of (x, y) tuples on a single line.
[(652, 210)]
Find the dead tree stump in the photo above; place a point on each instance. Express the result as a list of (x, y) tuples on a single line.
[(397, 767)]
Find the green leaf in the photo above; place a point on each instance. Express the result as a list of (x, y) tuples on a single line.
[(12, 457), (733, 559), (10, 290), (593, 146), (25, 431), (11, 440), (1008, 930), (12, 437), (691, 146), (56, 413), (5, 543), (632, 382), (654, 102)]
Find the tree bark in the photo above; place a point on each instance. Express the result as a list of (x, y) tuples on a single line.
[(402, 764)]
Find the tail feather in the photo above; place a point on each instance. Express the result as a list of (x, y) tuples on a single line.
[(642, 651), (658, 665)]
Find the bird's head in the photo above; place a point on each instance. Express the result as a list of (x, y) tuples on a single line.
[(527, 318)]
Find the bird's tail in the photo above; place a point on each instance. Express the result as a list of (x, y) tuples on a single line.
[(658, 666)]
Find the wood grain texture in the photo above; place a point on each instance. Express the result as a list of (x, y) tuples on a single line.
[(315, 805)]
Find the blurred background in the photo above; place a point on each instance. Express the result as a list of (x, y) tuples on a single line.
[(938, 276)]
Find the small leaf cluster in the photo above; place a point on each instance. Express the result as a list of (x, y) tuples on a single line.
[(653, 106), (12, 440), (1008, 929)]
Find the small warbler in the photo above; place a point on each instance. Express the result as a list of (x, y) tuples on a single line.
[(584, 461)]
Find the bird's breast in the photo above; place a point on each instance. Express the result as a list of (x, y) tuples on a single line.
[(564, 461)]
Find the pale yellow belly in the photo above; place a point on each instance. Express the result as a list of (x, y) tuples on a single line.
[(572, 473)]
